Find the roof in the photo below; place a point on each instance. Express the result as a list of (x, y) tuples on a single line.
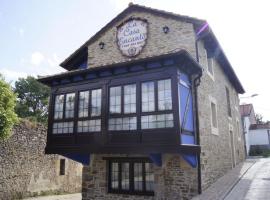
[(246, 109), (181, 55), (259, 126), (81, 52)]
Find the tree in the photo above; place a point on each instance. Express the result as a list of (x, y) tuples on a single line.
[(8, 116), (32, 100), (259, 118)]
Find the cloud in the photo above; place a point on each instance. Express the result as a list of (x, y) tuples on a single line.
[(21, 32), (37, 58), (54, 61), (12, 75)]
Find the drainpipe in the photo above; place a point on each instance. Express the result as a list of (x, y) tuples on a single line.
[(196, 84)]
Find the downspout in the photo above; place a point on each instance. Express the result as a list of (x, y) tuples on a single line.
[(197, 81)]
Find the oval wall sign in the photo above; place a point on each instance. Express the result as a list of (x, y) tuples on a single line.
[(132, 36)]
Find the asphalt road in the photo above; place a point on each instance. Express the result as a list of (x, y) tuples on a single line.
[(255, 184)]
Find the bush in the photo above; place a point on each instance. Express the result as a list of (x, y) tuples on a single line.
[(8, 116)]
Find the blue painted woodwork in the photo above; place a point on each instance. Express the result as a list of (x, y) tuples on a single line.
[(83, 65), (190, 159), (186, 117), (105, 73), (153, 65), (168, 62), (81, 158), (77, 78), (156, 158), (121, 70), (136, 68), (91, 76), (63, 81)]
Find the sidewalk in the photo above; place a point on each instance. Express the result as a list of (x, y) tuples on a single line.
[(77, 196), (221, 188)]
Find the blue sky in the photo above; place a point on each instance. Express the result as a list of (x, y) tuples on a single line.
[(36, 35)]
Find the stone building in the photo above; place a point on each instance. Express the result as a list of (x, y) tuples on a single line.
[(150, 103), (25, 170)]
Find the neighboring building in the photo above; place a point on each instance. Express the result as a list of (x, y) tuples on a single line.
[(259, 135), (256, 135), (150, 105), (248, 118), (25, 170)]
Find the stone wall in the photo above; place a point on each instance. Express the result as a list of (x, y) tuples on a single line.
[(175, 180), (181, 36), (216, 157), (26, 171)]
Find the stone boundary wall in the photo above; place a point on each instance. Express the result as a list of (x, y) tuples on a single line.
[(26, 171)]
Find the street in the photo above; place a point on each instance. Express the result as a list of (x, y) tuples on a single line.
[(255, 184)]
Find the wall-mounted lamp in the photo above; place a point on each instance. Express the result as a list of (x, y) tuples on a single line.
[(165, 29), (101, 45)]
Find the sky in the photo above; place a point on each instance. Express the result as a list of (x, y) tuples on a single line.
[(37, 35)]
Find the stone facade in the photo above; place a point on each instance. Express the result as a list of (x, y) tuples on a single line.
[(181, 36), (26, 171), (216, 157), (174, 180)]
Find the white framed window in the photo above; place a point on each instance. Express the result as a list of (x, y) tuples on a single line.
[(210, 67), (213, 114), (238, 130)]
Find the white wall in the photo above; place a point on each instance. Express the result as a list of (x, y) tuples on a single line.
[(246, 131), (258, 137)]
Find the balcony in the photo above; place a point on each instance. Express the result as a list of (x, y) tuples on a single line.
[(133, 107)]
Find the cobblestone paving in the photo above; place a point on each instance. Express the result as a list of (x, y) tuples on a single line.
[(76, 196), (223, 185)]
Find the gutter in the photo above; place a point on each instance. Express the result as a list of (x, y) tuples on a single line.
[(196, 83)]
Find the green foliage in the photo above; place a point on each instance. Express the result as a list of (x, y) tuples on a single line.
[(32, 100), (8, 116)]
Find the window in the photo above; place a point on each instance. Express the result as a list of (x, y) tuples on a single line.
[(228, 102), (89, 116), (59, 107), (123, 108), (157, 121), (159, 105), (115, 99), (89, 126), (126, 123), (164, 95), (70, 98), (83, 103), (62, 167), (131, 176), (210, 64), (130, 98), (148, 96), (63, 113), (214, 123), (96, 102)]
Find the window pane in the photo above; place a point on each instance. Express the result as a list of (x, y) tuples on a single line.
[(62, 127), (149, 177), (58, 106), (96, 102), (114, 175), (89, 126), (125, 176), (157, 121), (164, 95), (115, 99), (83, 104), (214, 115), (148, 97), (138, 179), (126, 123), (130, 98), (228, 102), (70, 98), (210, 65)]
